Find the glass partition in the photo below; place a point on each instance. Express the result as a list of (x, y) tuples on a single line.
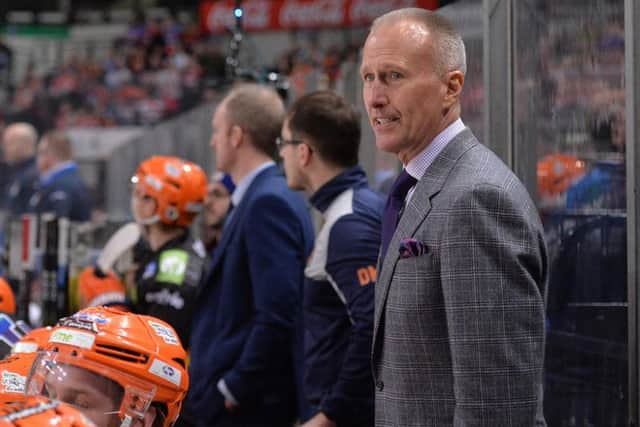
[(569, 115)]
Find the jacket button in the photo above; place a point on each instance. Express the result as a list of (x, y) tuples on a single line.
[(379, 385)]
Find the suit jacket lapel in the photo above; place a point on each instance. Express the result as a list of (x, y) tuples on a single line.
[(415, 213)]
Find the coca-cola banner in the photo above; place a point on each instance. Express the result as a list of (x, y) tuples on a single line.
[(268, 15)]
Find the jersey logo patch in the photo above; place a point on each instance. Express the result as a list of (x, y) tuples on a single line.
[(366, 275), (150, 270), (13, 382), (164, 332), (172, 266)]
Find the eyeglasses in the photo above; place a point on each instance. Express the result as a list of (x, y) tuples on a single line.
[(281, 142)]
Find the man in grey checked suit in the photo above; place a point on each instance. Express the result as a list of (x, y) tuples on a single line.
[(459, 314)]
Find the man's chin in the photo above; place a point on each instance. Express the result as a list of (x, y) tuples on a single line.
[(387, 144)]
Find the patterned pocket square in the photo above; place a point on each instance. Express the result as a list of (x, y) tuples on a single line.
[(410, 247)]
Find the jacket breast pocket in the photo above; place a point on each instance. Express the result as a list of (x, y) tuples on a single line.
[(415, 282)]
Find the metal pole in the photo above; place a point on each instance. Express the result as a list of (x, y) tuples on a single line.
[(498, 78), (632, 95)]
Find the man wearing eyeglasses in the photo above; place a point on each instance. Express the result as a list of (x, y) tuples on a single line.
[(319, 147), (243, 334)]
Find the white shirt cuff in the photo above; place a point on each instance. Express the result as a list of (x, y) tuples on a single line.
[(222, 388)]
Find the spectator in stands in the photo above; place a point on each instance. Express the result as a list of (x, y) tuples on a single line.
[(60, 189), (604, 185), (216, 207), (6, 65), (153, 72), (319, 146), (19, 148), (242, 339)]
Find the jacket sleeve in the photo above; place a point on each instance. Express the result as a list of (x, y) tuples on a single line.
[(493, 270), (273, 236), (351, 263)]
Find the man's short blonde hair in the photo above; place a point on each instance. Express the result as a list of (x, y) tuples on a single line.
[(448, 46), (259, 111)]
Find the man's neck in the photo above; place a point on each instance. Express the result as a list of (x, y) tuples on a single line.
[(249, 162), (321, 175), (54, 168), (20, 161), (407, 155), (158, 236)]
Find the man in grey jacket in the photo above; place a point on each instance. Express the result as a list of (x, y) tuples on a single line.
[(459, 313)]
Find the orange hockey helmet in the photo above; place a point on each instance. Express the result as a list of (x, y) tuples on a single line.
[(39, 411), (95, 291), (136, 360), (33, 341), (178, 187), (7, 298), (14, 370), (556, 173)]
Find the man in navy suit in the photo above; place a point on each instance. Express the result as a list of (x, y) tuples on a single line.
[(60, 190), (242, 341), (19, 148)]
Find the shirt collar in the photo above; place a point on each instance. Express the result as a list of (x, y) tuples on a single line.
[(325, 195), (23, 164), (47, 176), (419, 164), (243, 185)]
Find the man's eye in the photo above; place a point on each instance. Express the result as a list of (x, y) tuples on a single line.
[(82, 402), (394, 75), (367, 77)]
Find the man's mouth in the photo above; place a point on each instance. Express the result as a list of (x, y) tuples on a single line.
[(382, 121)]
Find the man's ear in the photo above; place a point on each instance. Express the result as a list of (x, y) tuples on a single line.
[(455, 81), (235, 136), (304, 153)]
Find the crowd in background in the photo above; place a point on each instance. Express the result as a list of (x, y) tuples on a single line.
[(154, 71)]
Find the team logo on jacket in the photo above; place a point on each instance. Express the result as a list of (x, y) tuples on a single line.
[(165, 297), (150, 270), (172, 266)]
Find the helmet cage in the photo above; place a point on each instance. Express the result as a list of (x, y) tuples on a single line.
[(137, 394)]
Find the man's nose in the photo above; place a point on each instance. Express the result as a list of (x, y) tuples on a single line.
[(378, 96)]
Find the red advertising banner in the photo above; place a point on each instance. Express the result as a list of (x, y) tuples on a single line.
[(271, 15)]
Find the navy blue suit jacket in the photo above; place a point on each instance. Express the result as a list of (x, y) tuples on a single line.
[(63, 194), (244, 321), (22, 184)]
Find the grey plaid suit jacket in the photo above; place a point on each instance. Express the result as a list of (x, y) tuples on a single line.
[(459, 331)]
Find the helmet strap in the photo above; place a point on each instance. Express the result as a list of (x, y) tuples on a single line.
[(126, 421), (148, 221)]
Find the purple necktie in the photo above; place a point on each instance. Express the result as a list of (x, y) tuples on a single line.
[(395, 202)]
